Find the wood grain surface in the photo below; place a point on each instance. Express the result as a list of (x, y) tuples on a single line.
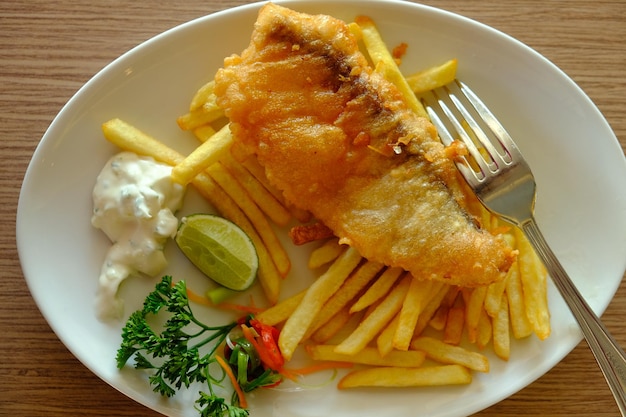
[(50, 48)]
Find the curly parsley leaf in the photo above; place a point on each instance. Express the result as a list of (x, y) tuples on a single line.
[(174, 351), (216, 406)]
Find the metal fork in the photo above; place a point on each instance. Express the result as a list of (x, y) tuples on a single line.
[(502, 180)]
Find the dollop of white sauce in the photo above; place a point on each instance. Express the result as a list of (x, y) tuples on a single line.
[(134, 201)]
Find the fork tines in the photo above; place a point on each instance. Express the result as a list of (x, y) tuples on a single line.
[(469, 120)]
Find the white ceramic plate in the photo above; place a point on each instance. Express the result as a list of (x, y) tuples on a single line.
[(578, 163)]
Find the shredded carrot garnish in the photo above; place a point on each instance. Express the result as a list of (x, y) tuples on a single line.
[(265, 358), (199, 299), (238, 307), (242, 399), (252, 308), (252, 303)]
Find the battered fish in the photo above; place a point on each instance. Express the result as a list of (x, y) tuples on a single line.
[(339, 141)]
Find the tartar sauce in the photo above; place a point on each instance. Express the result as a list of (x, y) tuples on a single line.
[(134, 201)]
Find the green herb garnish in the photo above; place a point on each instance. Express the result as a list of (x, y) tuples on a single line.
[(181, 352)]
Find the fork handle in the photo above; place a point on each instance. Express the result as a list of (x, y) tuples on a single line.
[(608, 354)]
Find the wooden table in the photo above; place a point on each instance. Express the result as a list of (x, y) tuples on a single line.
[(48, 49)]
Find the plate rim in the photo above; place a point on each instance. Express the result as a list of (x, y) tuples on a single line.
[(57, 123)]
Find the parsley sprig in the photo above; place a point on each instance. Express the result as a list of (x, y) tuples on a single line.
[(175, 352)]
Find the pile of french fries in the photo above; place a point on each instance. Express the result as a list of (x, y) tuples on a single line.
[(398, 329)]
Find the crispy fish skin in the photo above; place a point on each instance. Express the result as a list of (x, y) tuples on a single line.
[(327, 129)]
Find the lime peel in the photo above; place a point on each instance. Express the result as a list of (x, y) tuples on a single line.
[(220, 249)]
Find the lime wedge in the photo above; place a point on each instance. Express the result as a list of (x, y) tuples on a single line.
[(220, 249)]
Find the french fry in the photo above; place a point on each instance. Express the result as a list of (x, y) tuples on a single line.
[(474, 308), (414, 301), (376, 321), (256, 169), (441, 316), (407, 377), (338, 327), (204, 132), (439, 319), (203, 156), (280, 312), (356, 30), (326, 253), (378, 289), (368, 356), (444, 353), (129, 138), (384, 341), (484, 330), (265, 200), (455, 323), (495, 291), (429, 311), (207, 113), (494, 296), (346, 293), (534, 284), (321, 290), (433, 77), (520, 325), (385, 63), (202, 95), (253, 166), (501, 336), (452, 295)]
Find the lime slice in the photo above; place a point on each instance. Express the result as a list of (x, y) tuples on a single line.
[(220, 249)]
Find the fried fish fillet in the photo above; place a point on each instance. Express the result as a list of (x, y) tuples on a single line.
[(339, 141)]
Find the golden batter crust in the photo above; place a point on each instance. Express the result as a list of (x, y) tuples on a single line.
[(339, 141)]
